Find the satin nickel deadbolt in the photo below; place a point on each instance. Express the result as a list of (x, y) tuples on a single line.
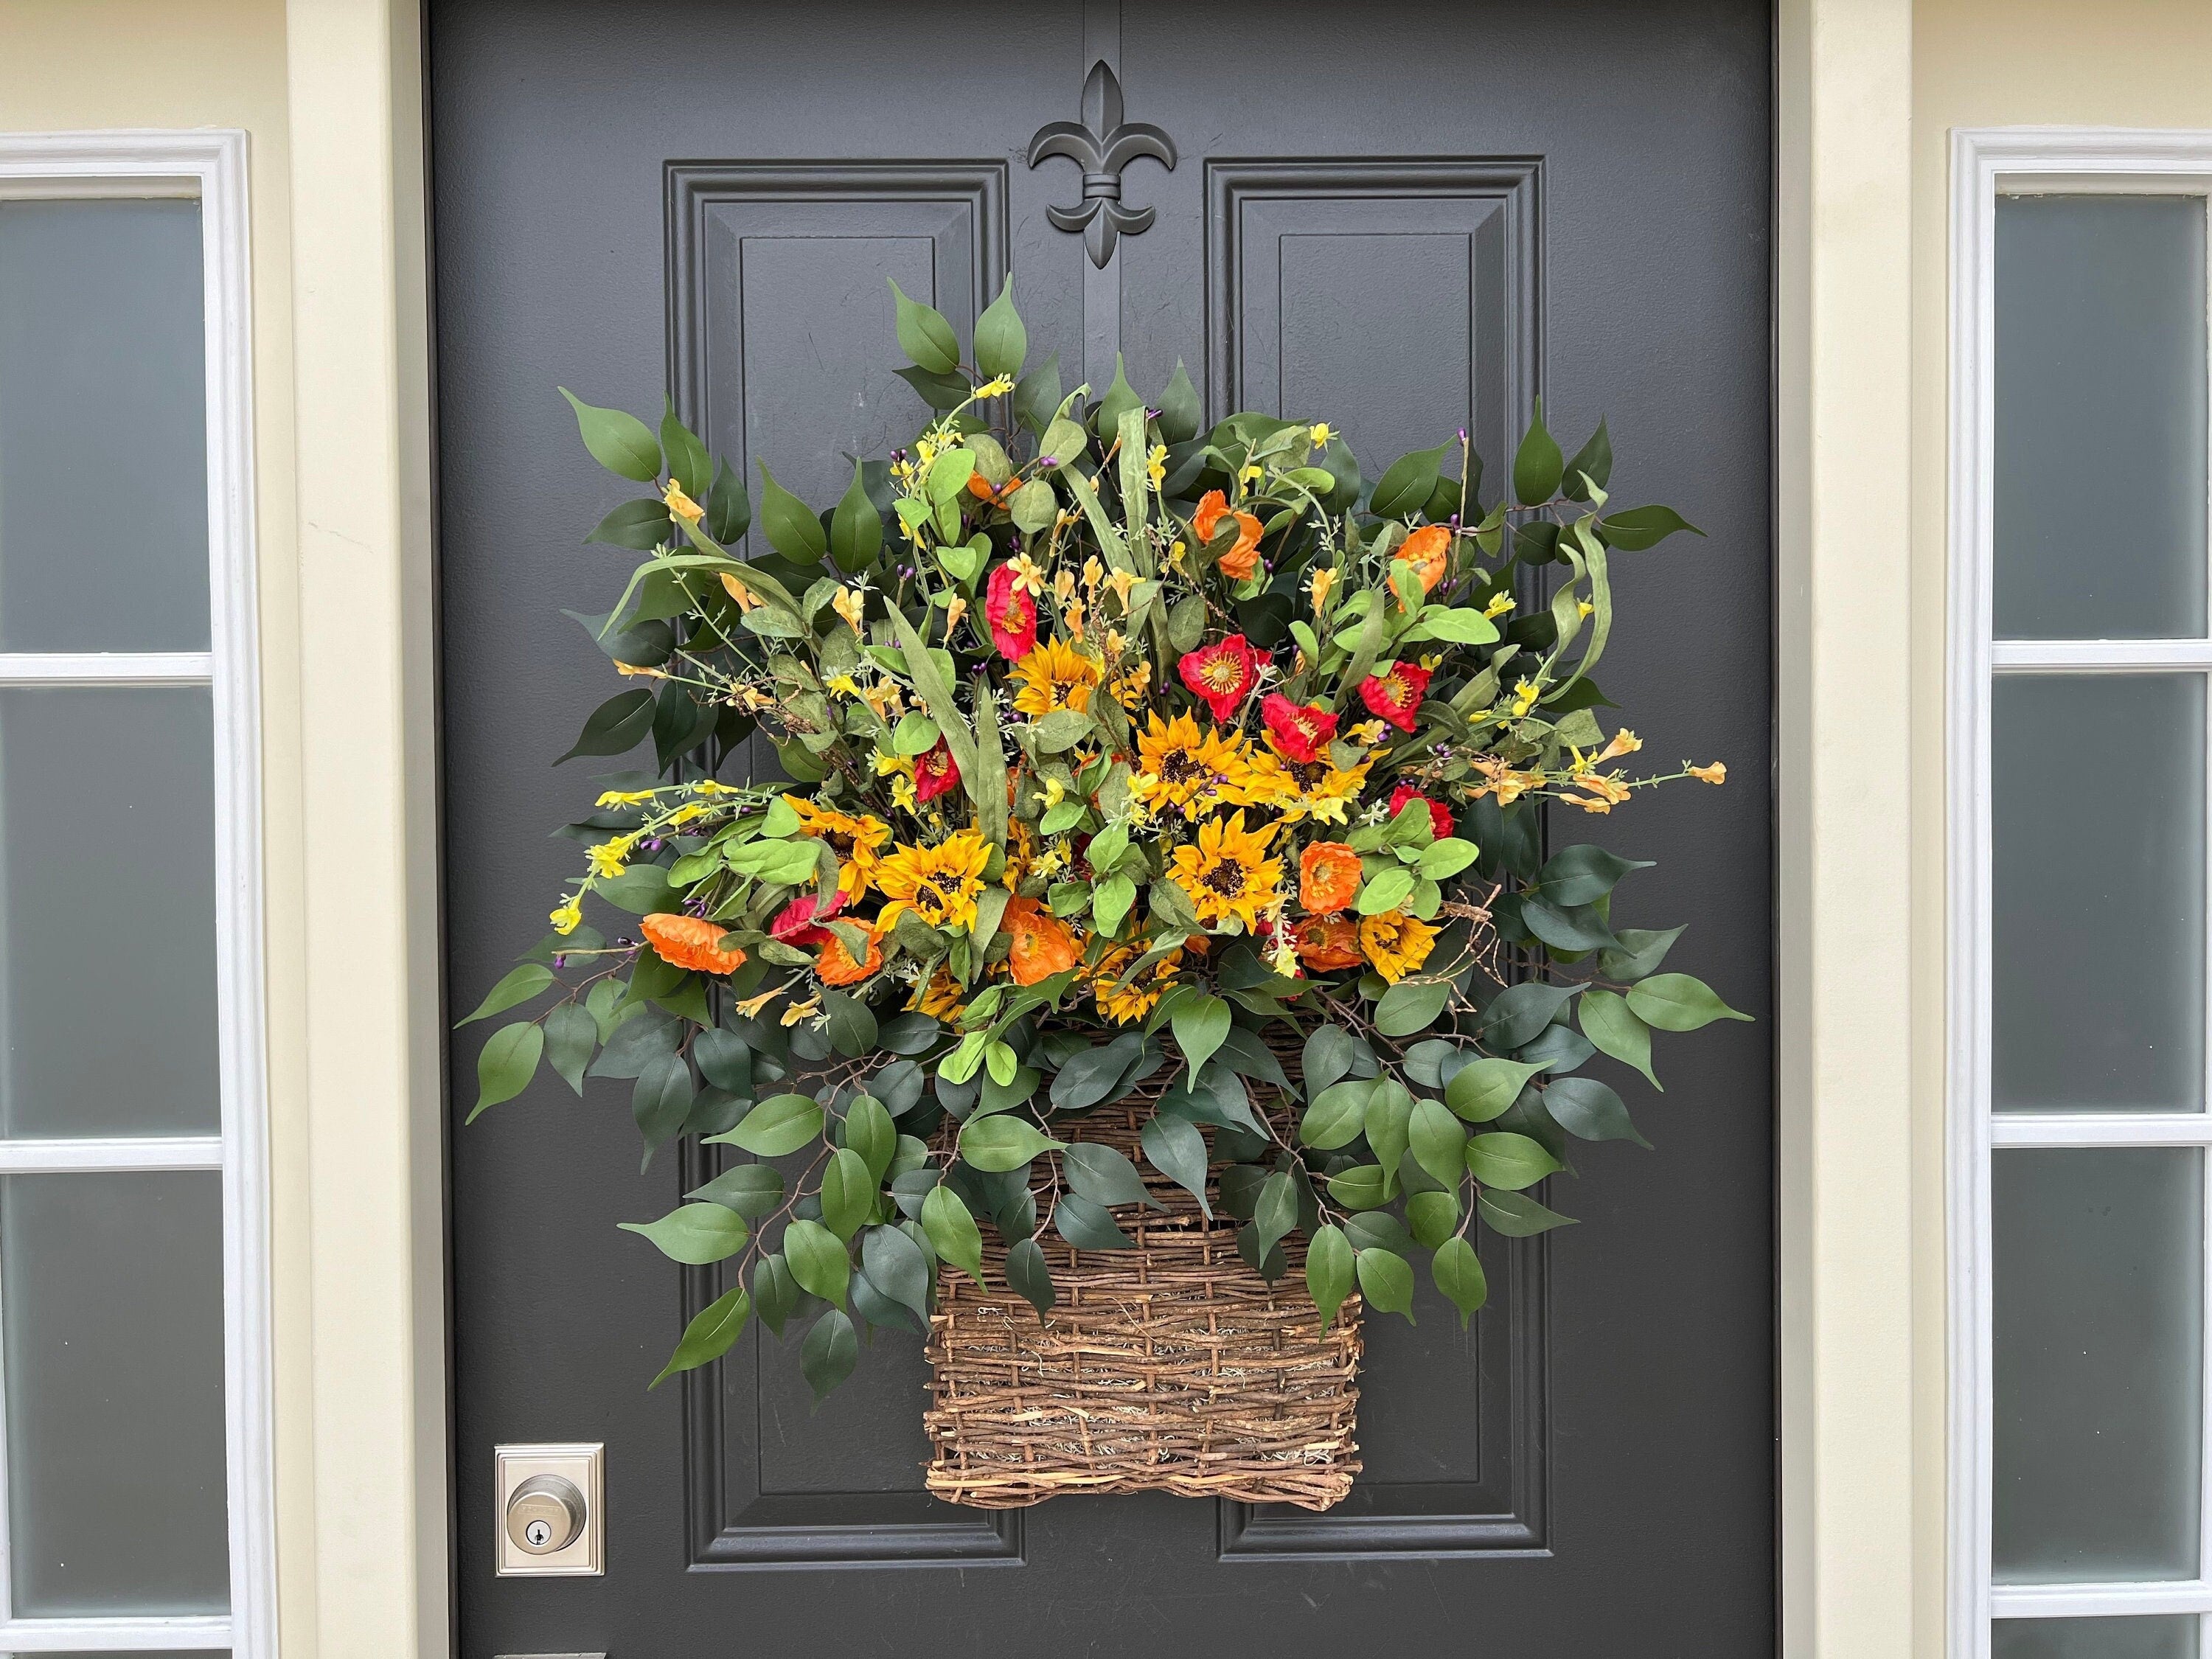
[(549, 1504)]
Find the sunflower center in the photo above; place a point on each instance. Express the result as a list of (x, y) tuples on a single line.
[(1307, 773), (1226, 880), (1180, 766), (928, 895)]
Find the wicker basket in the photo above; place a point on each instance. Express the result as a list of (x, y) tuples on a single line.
[(1173, 1367)]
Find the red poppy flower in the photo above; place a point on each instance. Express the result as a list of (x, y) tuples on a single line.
[(798, 922), (1220, 674), (1012, 617), (1397, 696), (1440, 817), (1301, 731), (934, 774)]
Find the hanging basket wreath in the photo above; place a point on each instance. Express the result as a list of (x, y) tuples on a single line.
[(1131, 768)]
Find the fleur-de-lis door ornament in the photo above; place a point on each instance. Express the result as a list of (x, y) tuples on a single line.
[(1102, 144)]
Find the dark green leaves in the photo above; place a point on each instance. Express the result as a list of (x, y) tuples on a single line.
[(1582, 874), (1406, 484), (1094, 1074), (1585, 1107), (1519, 1012), (1103, 1175), (924, 335), (1200, 1025), (1386, 1280), (830, 1353), (1593, 462), (695, 1234), (779, 1124), (792, 528), (895, 1265), (1484, 1088), (1676, 1002), (662, 1099), (1336, 1117), (571, 1033), (688, 464), (1508, 1161), (1086, 1225), (1027, 1273), (1175, 1147), (518, 987), (1329, 1272), (1640, 527), (856, 532), (848, 1192), (818, 1258), (952, 1232), (616, 726), (1609, 1023), (1516, 1215), (752, 1190), (1331, 1053), (708, 1336), (1277, 1211), (1410, 1006), (1001, 343), (1537, 464), (1180, 409), (619, 442), (1000, 1143), (638, 525), (1458, 1273), (508, 1061), (729, 509), (1437, 1141)]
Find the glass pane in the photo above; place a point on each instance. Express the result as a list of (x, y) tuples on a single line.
[(2099, 487), (2157, 1637), (108, 934), (2099, 1341), (2099, 898), (103, 427), (111, 1307)]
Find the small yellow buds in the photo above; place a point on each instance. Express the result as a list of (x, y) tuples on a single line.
[(1093, 570), (1499, 605), (954, 612), (1072, 617), (1251, 473), (852, 605), (566, 917), (1175, 553), (1625, 742), (1156, 465), (1584, 607), (631, 672), (1320, 432), (1368, 731), (682, 506), (1029, 577), (998, 387), (1063, 586), (751, 1006), (800, 1011), (1054, 792), (1716, 773), (1121, 581), (1324, 579), (609, 858), (842, 685), (1524, 697), (737, 591)]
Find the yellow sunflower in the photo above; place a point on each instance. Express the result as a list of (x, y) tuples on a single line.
[(1184, 767), (940, 996), (1123, 1003), (1053, 676), (1227, 872), (1395, 944), (856, 842), (938, 884), (1320, 790)]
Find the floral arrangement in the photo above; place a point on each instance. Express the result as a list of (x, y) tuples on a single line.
[(1113, 745)]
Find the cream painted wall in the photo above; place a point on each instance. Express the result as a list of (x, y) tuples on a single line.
[(94, 64), (1981, 63)]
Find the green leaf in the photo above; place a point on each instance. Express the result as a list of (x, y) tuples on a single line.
[(1519, 1012), (869, 1131), (1432, 1216), (818, 1261), (662, 1099), (1508, 1161), (1033, 506), (723, 1059), (1110, 902), (1028, 1275), (1458, 627), (776, 1293), (689, 463), (1516, 1215), (1175, 1147), (1180, 409), (1643, 950), (571, 1033), (616, 726), (848, 1192), (924, 335), (1386, 890), (1363, 1187), (1640, 527), (1458, 1273), (695, 1234), (1329, 1272), (1001, 343), (1200, 1024), (1537, 465), (792, 528), (729, 509), (830, 1353), (1389, 1121), (1277, 1211), (1609, 1024), (852, 1024), (1120, 399), (1584, 1107), (618, 441), (1337, 1117), (1386, 1279), (1062, 729), (1330, 1052), (1437, 1141), (780, 1125), (508, 1062), (1582, 874), (638, 525), (1592, 461), (896, 1265), (1410, 1006), (708, 1337), (952, 1231), (1406, 484), (1088, 1226), (1105, 1175), (856, 532), (937, 697), (753, 1190), (1442, 860), (1000, 1143), (1677, 1002), (519, 987), (1485, 1089)]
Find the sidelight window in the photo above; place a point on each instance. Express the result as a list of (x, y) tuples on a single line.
[(2079, 920), (133, 1305)]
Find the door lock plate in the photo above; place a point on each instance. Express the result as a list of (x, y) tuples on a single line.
[(551, 1504)]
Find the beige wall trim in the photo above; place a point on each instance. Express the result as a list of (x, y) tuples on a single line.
[(1845, 733), (367, 771)]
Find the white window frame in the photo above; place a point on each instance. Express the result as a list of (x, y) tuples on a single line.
[(208, 165), (1987, 163)]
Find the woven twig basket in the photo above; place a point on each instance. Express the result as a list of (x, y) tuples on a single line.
[(1173, 1367)]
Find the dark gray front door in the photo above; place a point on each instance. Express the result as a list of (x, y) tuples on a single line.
[(1404, 218)]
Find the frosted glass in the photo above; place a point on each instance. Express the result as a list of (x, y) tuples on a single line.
[(2156, 1638), (111, 1308), (103, 427), (2098, 1362), (2099, 485), (107, 911), (2099, 897)]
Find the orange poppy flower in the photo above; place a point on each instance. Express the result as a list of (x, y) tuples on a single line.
[(1043, 944), (1241, 561), (1329, 876), (690, 942), (1428, 550), (835, 966), (1327, 943)]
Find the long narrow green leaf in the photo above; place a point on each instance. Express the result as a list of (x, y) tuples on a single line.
[(990, 790), (1133, 480), (937, 697), (1103, 527)]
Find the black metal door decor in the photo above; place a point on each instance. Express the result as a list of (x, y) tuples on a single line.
[(1102, 144)]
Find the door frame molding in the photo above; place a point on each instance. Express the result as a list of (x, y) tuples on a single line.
[(1853, 1504)]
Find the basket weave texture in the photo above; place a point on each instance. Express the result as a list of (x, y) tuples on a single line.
[(1173, 1367)]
